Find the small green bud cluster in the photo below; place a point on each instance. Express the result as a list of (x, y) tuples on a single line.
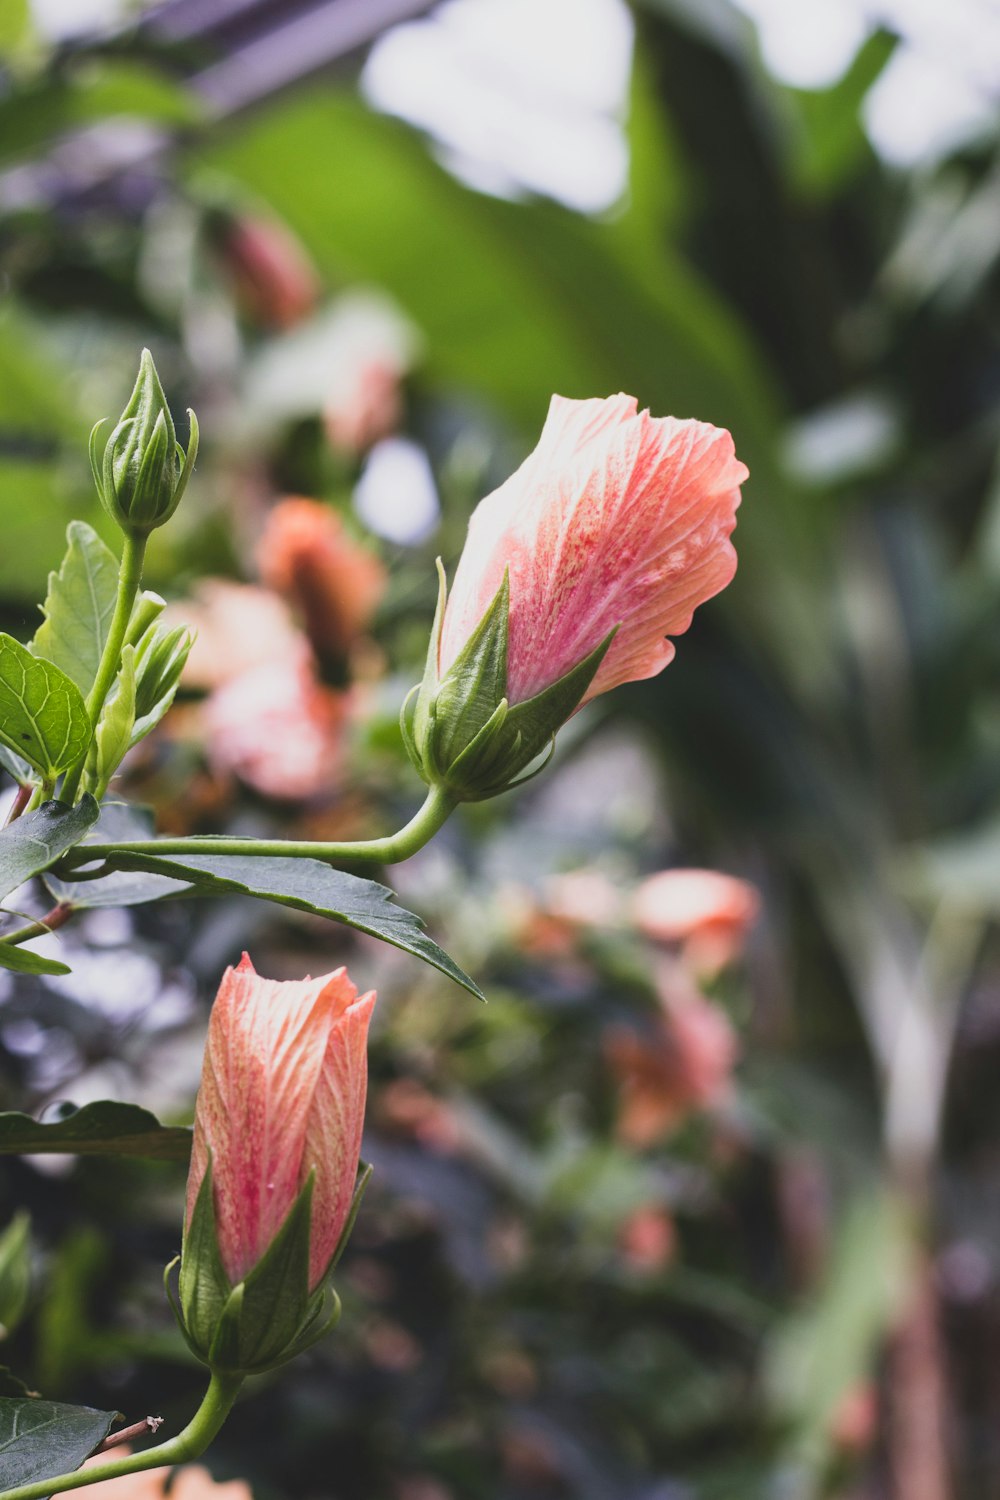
[(144, 470)]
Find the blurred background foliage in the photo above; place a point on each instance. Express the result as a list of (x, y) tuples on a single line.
[(703, 1204)]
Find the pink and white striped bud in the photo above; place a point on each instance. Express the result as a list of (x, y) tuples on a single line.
[(274, 1166), (574, 574)]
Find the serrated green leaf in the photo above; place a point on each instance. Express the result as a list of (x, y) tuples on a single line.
[(118, 822), (42, 1439), (26, 961), (43, 717), (114, 730), (105, 1128), (37, 839), (79, 606), (307, 885)]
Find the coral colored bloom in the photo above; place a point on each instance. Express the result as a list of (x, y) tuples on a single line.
[(282, 1095), (708, 912), (685, 1066), (306, 555), (616, 519)]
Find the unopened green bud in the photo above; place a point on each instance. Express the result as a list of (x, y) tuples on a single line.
[(144, 470)]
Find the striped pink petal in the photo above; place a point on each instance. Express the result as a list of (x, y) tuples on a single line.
[(616, 519), (271, 1059)]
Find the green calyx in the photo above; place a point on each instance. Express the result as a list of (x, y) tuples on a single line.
[(460, 730), (271, 1315), (143, 470)]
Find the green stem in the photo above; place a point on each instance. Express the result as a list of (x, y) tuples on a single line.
[(57, 917), (190, 1443), (129, 579), (434, 812)]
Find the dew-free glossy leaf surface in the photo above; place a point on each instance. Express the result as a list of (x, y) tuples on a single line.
[(78, 606), (42, 713), (310, 886), (37, 839)]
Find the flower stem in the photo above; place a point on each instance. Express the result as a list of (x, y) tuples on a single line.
[(129, 579), (190, 1443), (433, 813), (57, 917)]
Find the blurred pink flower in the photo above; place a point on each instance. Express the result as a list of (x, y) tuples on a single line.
[(307, 556), (647, 1240), (237, 626), (708, 913), (191, 1482), (274, 279), (364, 405), (278, 729), (616, 519), (282, 1095)]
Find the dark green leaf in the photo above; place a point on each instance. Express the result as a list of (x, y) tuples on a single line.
[(37, 839), (42, 713), (25, 961), (309, 886), (78, 606), (118, 822), (105, 1128), (40, 1439)]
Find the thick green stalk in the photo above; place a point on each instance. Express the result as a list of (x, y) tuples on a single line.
[(191, 1443), (129, 579), (434, 812)]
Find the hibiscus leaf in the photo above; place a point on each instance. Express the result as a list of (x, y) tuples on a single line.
[(104, 1128), (79, 606), (26, 961), (42, 1439), (43, 717), (308, 885), (37, 839)]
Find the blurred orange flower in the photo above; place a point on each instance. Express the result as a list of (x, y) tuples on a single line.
[(709, 914), (307, 556), (684, 1066)]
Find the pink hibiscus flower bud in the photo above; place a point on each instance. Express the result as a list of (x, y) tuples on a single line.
[(274, 1182), (575, 573)]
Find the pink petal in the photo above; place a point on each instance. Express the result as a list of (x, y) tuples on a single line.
[(333, 1130), (616, 519), (263, 1057)]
